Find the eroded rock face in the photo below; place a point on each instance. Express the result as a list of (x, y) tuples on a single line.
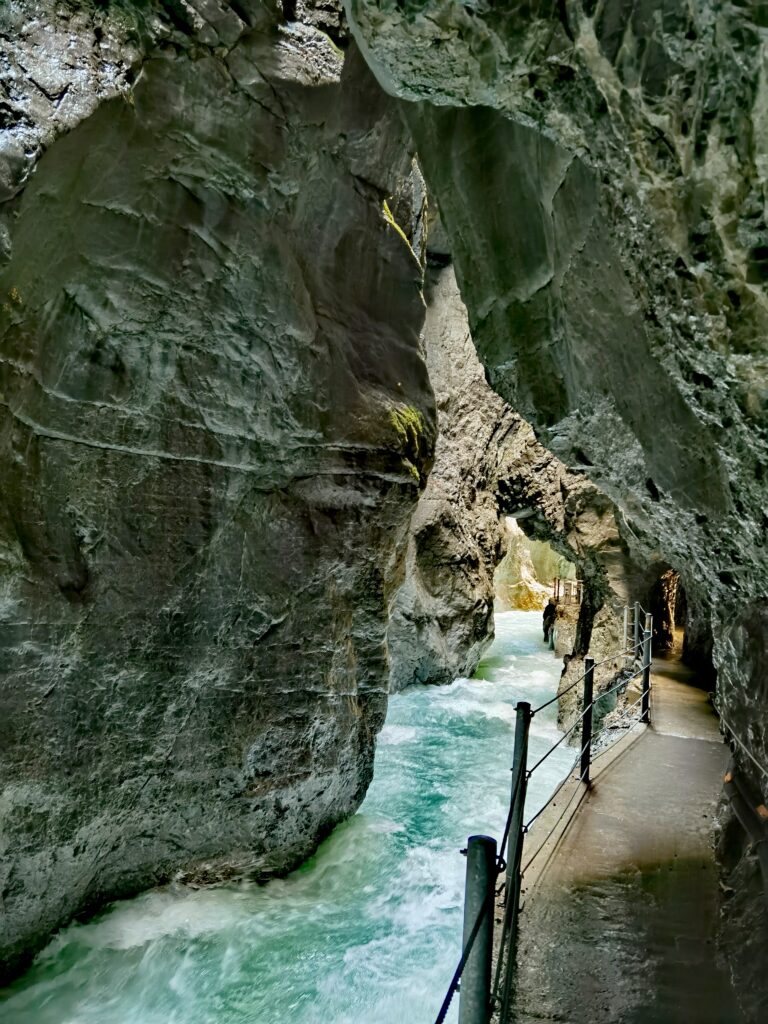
[(524, 577), (442, 619), (600, 170), (216, 420), (488, 465)]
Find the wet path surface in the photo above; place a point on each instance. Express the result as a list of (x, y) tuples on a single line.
[(621, 926)]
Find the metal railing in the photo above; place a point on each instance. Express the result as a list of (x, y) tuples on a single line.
[(748, 808), (481, 994), (567, 591), (635, 620)]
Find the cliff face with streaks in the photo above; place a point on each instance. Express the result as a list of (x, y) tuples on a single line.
[(600, 171), (215, 421), (489, 465)]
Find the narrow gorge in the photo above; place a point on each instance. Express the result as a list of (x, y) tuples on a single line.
[(314, 317)]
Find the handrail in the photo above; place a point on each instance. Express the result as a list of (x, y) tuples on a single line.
[(513, 838), (601, 730), (500, 867), (609, 657), (741, 743), (501, 986)]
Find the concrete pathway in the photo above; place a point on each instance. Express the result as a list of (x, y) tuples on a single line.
[(619, 926)]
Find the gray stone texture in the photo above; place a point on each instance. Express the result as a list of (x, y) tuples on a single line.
[(488, 464), (215, 420), (442, 619), (600, 170)]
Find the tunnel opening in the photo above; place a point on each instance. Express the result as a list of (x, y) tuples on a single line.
[(528, 574), (681, 628), (536, 571), (668, 605)]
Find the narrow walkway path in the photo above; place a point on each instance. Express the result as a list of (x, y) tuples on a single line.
[(620, 926)]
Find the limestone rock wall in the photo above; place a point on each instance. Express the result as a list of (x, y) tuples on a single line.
[(600, 170), (215, 421), (488, 465), (523, 578), (442, 618)]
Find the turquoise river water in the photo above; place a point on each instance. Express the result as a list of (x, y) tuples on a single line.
[(370, 928)]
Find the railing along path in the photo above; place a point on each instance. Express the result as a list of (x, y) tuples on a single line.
[(482, 991)]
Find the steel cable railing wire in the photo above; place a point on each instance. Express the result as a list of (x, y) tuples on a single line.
[(740, 742), (501, 865), (559, 786), (502, 993), (509, 904), (639, 608), (462, 964), (556, 744), (557, 696), (614, 725), (577, 791), (603, 729), (506, 924), (625, 681), (617, 655), (569, 777), (500, 861), (632, 649)]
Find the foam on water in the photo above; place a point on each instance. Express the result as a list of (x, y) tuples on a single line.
[(369, 928)]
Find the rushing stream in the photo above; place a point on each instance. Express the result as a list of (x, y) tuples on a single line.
[(370, 928)]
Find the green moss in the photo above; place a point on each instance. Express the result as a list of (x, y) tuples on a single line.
[(411, 432), (388, 217), (407, 421)]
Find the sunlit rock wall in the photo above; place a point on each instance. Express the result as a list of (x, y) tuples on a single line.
[(600, 170), (215, 422), (524, 577), (442, 618)]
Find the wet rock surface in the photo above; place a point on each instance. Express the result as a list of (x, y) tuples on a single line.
[(216, 420), (488, 464), (600, 173)]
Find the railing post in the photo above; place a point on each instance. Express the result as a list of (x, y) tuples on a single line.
[(636, 641), (519, 786), (475, 990), (646, 702), (586, 721), (625, 637), (515, 843)]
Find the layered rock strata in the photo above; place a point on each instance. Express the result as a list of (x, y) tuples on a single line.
[(442, 618), (216, 420)]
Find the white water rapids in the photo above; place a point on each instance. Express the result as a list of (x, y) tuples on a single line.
[(370, 928)]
